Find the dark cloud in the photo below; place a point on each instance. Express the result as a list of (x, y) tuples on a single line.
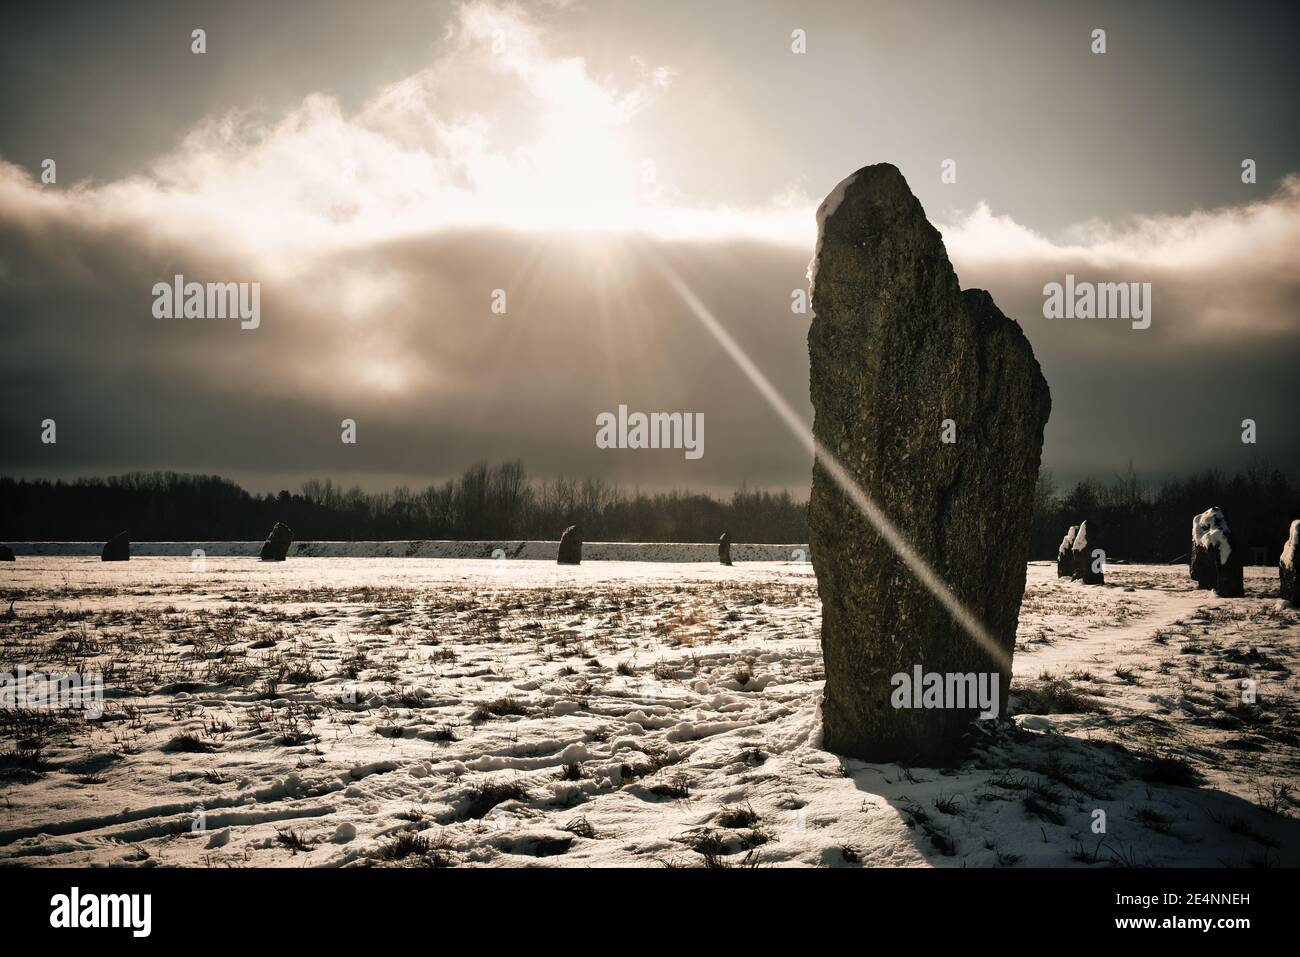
[(590, 324)]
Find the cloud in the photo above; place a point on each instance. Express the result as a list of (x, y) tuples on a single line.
[(501, 131), (496, 132), (1216, 273), (379, 235)]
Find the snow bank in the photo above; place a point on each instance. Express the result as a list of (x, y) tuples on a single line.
[(517, 550)]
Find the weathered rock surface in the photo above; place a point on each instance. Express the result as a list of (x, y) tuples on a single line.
[(276, 546), (896, 347), (1202, 565), (116, 549), (1088, 566), (1286, 564), (1215, 561), (1065, 554), (724, 549), (570, 547)]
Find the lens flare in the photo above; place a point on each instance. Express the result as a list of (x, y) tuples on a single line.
[(919, 567)]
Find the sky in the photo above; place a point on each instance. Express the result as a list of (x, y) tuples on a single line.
[(382, 170)]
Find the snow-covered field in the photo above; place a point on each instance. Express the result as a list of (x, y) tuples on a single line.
[(400, 712)]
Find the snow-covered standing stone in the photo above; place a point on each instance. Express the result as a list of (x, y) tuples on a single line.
[(1215, 561), (1065, 554), (1086, 562), (1286, 564)]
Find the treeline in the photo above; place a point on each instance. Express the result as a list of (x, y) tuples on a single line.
[(1133, 520), (486, 502), (1139, 521)]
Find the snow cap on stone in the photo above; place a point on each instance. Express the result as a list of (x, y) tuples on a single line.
[(1292, 545), (1210, 530), (1067, 543), (1081, 537)]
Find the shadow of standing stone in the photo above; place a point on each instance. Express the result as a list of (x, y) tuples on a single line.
[(116, 549), (570, 547), (896, 347), (276, 546)]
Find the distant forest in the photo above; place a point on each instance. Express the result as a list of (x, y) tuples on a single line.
[(1130, 519)]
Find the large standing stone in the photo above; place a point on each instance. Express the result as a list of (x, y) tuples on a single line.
[(724, 549), (1286, 564), (1089, 568), (1065, 554), (276, 546), (570, 547), (897, 347), (6, 553), (1215, 560), (116, 549)]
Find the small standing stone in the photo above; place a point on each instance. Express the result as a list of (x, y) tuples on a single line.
[(276, 546), (570, 547), (1201, 563), (6, 553), (724, 549), (1065, 554), (116, 549), (1215, 561), (1286, 564), (1084, 560)]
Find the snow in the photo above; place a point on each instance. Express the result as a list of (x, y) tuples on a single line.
[(1080, 543), (1210, 530), (824, 212), (620, 713), (1067, 543), (345, 832)]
